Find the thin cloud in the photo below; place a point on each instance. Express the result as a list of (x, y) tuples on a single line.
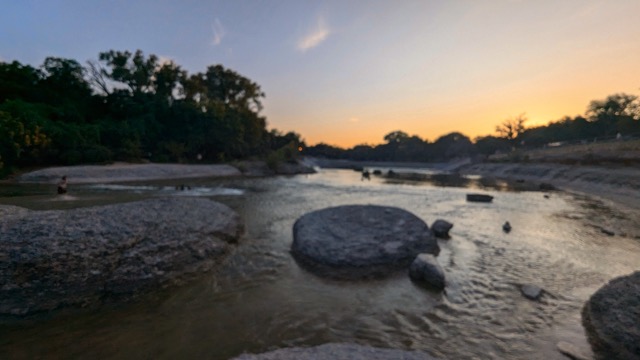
[(218, 32), (315, 37), (354, 120)]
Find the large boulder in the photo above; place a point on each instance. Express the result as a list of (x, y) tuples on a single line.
[(611, 318), (360, 241), (337, 352), (50, 259)]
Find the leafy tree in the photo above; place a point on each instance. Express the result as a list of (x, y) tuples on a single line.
[(396, 137), (616, 113), (453, 145), (18, 81)]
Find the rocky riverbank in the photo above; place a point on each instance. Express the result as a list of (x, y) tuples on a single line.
[(80, 257), (618, 184)]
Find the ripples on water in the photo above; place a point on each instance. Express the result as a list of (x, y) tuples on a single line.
[(260, 300)]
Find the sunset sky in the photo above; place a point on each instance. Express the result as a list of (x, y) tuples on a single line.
[(348, 72)]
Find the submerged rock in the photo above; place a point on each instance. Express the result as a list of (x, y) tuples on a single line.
[(337, 351), (426, 269), (531, 292), (479, 198), (571, 351), (360, 241), (441, 228), (78, 257), (611, 318)]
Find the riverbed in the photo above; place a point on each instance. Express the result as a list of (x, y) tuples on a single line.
[(261, 300)]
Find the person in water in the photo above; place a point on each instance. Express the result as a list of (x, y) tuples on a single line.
[(62, 185)]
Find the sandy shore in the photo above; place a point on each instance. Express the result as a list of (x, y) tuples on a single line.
[(618, 184), (122, 172)]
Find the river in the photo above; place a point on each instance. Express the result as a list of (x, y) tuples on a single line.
[(260, 300)]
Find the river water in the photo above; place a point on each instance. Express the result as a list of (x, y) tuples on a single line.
[(260, 299)]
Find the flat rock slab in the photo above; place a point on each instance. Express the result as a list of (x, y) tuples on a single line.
[(337, 352), (360, 241), (126, 172), (611, 318), (56, 258)]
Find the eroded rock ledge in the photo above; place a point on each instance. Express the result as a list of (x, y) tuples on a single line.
[(52, 259), (360, 241)]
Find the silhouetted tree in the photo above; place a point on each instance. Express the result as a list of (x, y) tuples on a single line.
[(512, 127)]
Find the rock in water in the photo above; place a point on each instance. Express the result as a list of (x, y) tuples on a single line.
[(441, 228), (571, 351), (337, 351), (611, 318), (426, 269), (360, 241), (50, 259), (479, 198), (531, 292)]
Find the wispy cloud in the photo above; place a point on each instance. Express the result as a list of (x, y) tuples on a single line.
[(218, 31), (315, 37), (354, 119)]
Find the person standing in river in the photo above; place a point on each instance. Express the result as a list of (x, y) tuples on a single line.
[(62, 186)]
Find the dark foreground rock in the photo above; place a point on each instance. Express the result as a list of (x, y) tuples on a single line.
[(79, 257), (426, 269), (338, 352), (611, 318), (360, 241)]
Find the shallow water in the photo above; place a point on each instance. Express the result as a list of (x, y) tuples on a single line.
[(261, 300)]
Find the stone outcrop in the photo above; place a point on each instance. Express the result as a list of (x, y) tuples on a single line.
[(441, 228), (337, 351), (426, 269), (52, 259), (360, 241), (611, 318)]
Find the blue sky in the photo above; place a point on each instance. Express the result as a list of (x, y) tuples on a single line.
[(349, 72)]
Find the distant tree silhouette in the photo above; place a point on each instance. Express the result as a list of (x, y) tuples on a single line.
[(512, 127)]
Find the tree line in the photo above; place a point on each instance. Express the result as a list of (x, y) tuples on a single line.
[(128, 106), (604, 119)]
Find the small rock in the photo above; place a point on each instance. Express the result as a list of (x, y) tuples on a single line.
[(506, 227), (441, 228), (607, 232), (425, 268), (531, 292)]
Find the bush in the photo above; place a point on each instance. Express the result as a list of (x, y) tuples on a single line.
[(97, 154)]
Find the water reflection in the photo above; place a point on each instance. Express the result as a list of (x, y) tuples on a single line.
[(259, 299), (457, 180)]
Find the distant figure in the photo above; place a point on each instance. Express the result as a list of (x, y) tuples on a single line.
[(506, 227), (619, 136), (365, 175), (62, 186)]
